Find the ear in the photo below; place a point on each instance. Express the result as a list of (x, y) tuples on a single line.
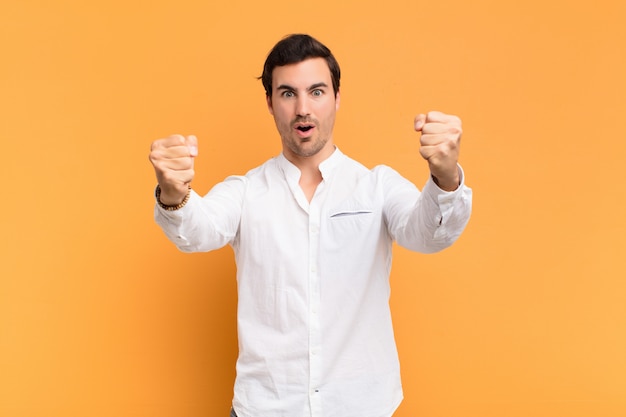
[(337, 100), (268, 100)]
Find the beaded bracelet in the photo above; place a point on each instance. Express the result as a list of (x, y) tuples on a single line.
[(157, 194)]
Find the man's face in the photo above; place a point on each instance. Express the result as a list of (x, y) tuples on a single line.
[(304, 104)]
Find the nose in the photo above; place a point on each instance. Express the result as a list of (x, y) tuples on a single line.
[(302, 106)]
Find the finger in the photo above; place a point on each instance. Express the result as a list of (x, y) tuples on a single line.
[(419, 122), (173, 141), (433, 128), (439, 117), (176, 164), (431, 117), (453, 138), (430, 140), (435, 116), (172, 152), (427, 152), (170, 141), (192, 145), (175, 146)]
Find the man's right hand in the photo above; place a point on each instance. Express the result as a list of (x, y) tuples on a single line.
[(172, 159)]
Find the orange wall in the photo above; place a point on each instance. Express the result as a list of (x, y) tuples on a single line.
[(101, 316)]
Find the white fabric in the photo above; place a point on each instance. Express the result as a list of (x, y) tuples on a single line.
[(314, 324)]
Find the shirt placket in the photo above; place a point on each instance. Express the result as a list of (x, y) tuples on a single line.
[(315, 352)]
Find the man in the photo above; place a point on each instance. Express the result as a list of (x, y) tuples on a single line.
[(312, 231)]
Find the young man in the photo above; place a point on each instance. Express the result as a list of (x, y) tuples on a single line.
[(312, 231)]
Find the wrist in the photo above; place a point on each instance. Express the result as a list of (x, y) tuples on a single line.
[(447, 183), (170, 204)]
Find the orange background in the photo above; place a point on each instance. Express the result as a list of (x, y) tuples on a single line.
[(101, 316)]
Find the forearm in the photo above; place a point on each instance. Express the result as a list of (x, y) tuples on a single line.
[(204, 223), (437, 218), (189, 228)]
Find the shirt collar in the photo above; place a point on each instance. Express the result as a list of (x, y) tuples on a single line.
[(326, 167)]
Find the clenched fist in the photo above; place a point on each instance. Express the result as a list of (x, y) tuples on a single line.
[(172, 159), (439, 145)]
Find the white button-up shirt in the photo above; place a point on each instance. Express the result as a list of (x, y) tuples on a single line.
[(314, 324)]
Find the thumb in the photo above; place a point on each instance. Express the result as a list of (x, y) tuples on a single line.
[(192, 143), (420, 119)]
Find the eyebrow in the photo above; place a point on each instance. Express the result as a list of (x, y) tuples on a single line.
[(312, 87)]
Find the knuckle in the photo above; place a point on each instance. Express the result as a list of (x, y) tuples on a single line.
[(179, 139), (155, 156)]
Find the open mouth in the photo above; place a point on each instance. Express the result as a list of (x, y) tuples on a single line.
[(304, 126)]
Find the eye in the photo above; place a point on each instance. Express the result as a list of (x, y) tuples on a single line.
[(288, 93), (317, 93)]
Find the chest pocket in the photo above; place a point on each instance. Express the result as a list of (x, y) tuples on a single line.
[(350, 212), (349, 225)]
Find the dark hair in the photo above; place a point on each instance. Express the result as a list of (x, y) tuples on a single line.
[(297, 48)]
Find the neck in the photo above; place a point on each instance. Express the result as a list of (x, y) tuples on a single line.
[(309, 164), (310, 174)]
